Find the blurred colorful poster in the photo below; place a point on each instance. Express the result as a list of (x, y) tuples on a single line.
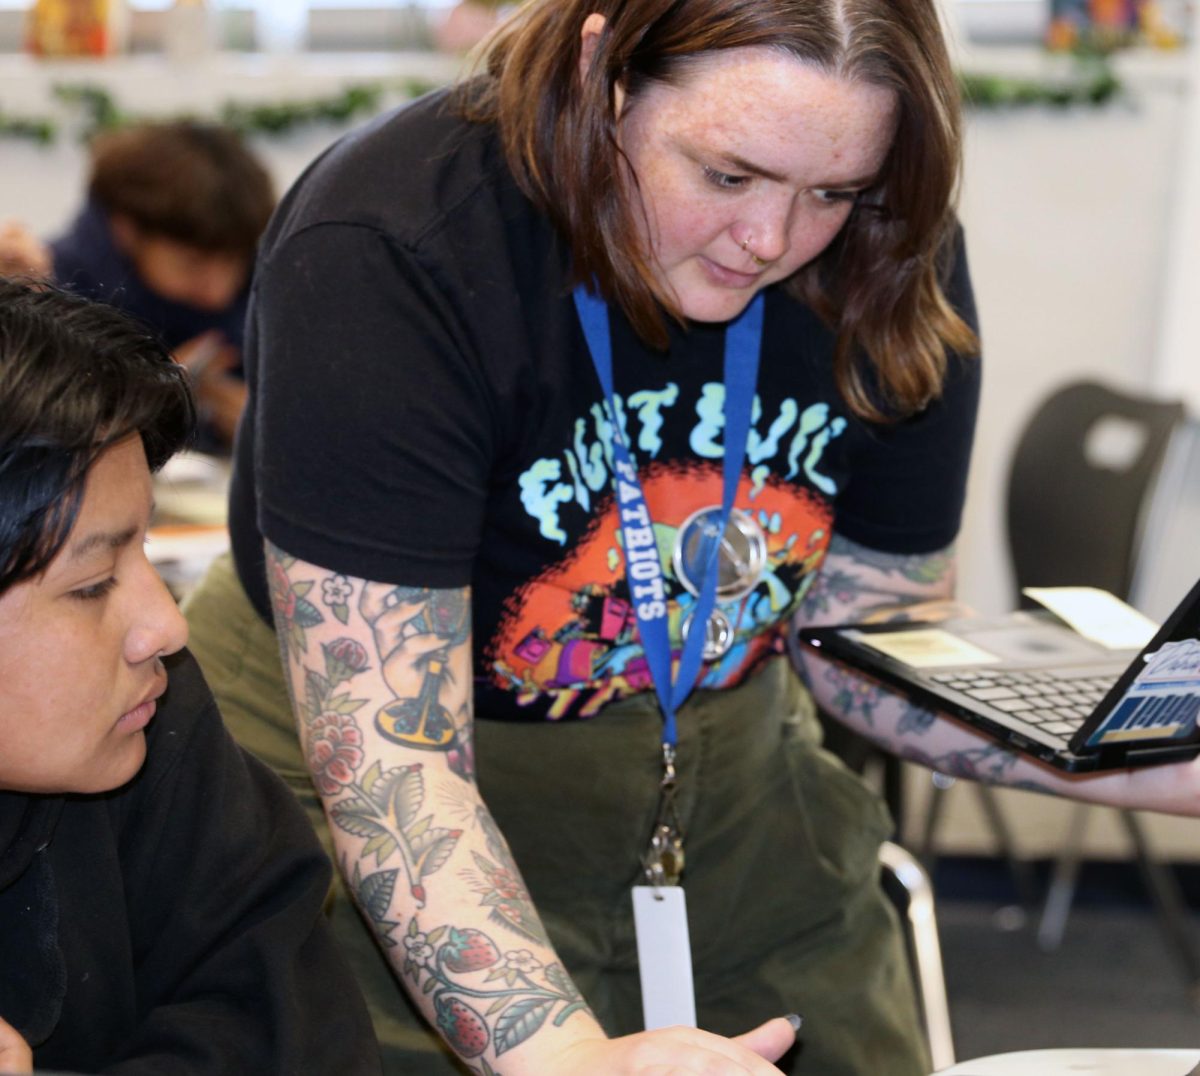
[(73, 27), (1103, 25)]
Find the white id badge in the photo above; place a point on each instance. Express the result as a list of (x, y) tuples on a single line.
[(664, 956)]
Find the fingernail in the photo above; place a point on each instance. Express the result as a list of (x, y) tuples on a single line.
[(796, 1020)]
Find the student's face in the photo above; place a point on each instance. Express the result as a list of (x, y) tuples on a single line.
[(183, 273), (754, 152), (81, 645)]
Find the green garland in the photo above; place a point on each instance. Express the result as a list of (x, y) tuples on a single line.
[(1094, 84), (101, 113), (34, 130)]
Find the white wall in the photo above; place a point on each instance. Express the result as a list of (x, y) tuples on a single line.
[(1178, 367), (42, 185), (1067, 215)]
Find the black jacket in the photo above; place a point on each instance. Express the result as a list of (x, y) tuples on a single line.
[(174, 925)]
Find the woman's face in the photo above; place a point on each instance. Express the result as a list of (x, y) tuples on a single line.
[(754, 154)]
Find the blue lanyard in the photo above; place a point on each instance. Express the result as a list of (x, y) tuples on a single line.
[(743, 342)]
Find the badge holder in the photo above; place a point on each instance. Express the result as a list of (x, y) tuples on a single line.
[(660, 917)]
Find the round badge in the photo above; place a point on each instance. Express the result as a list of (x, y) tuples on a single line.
[(741, 555), (718, 634)]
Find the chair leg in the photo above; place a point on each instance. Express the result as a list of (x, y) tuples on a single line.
[(1019, 869), (1172, 912), (940, 785), (926, 950), (1062, 883)]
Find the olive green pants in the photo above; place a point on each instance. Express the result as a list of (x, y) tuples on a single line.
[(785, 910)]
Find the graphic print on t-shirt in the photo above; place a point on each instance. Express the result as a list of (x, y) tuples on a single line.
[(571, 633)]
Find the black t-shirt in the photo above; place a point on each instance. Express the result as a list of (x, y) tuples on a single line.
[(425, 413)]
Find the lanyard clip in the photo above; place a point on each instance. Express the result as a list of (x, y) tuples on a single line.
[(664, 858), (668, 777)]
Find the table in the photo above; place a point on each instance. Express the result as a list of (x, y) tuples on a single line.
[(1076, 1062), (188, 529)]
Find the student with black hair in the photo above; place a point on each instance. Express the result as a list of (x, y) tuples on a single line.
[(160, 891)]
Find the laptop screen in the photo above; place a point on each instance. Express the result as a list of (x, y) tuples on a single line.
[(1158, 698), (1161, 703)]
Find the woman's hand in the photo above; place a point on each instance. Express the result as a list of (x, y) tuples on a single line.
[(15, 1055), (679, 1050), (1172, 788)]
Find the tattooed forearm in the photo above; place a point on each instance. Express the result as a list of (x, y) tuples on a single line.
[(857, 583), (853, 695), (989, 763), (915, 720), (380, 677), (920, 568), (484, 997), (914, 733)]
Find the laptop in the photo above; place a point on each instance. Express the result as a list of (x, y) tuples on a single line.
[(1028, 680)]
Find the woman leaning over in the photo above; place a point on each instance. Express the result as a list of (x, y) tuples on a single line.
[(431, 464)]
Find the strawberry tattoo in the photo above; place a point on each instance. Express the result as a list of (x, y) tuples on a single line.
[(468, 950), (462, 1026), (514, 997)]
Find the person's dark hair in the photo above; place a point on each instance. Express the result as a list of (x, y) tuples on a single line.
[(194, 183), (76, 376), (878, 284)]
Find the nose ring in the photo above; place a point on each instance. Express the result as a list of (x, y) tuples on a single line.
[(753, 257)]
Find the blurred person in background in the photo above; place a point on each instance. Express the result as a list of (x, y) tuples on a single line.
[(168, 232)]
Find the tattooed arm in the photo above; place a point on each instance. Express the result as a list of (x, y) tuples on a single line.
[(860, 584), (381, 685)]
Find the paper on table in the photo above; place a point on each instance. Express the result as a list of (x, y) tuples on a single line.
[(1097, 615), (192, 488)]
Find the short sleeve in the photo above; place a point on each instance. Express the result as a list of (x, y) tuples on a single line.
[(373, 425), (909, 478)]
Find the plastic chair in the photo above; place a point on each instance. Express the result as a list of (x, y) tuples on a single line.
[(907, 884), (1080, 484), (1070, 1062), (1079, 492)]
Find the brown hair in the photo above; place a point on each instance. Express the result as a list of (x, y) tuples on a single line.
[(878, 283), (194, 183)]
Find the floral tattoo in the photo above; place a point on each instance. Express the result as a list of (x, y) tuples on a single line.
[(474, 1011), (484, 996), (335, 594), (385, 806), (294, 613)]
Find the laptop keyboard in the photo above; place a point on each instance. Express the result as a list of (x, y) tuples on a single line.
[(1056, 701)]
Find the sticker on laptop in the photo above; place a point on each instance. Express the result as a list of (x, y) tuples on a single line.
[(1162, 703)]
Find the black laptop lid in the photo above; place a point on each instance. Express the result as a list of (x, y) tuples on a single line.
[(1154, 705)]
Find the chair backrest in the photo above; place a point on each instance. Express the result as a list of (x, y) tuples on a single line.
[(1079, 483)]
